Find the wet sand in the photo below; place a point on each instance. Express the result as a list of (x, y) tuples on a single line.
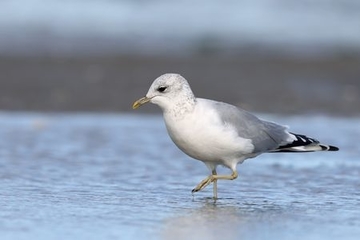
[(111, 84)]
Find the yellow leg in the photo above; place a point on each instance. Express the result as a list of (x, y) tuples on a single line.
[(214, 178)]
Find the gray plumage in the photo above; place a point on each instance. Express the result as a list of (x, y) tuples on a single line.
[(265, 135)]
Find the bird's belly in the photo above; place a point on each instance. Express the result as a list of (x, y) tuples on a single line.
[(197, 148), (206, 144)]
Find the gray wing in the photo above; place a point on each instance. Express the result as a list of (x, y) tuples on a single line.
[(265, 135)]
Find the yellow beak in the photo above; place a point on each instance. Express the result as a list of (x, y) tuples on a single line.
[(140, 102)]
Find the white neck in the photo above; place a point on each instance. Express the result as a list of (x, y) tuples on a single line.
[(179, 107)]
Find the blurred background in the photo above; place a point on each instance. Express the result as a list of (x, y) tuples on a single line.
[(74, 164), (282, 56)]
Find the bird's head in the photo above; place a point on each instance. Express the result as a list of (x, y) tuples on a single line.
[(166, 90)]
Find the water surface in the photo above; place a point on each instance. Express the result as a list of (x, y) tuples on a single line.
[(119, 176)]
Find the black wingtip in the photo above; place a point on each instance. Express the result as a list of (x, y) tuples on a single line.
[(328, 148), (333, 148)]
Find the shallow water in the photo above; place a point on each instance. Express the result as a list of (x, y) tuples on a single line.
[(118, 176)]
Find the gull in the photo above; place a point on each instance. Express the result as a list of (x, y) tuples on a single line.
[(218, 133)]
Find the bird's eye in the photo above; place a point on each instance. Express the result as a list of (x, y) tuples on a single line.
[(161, 89)]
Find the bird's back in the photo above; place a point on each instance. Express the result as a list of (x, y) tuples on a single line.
[(265, 136)]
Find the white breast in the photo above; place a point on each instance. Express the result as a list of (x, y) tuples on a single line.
[(203, 136)]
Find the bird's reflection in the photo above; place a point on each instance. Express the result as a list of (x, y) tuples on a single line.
[(223, 219)]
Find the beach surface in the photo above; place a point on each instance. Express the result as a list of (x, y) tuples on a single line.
[(119, 176)]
